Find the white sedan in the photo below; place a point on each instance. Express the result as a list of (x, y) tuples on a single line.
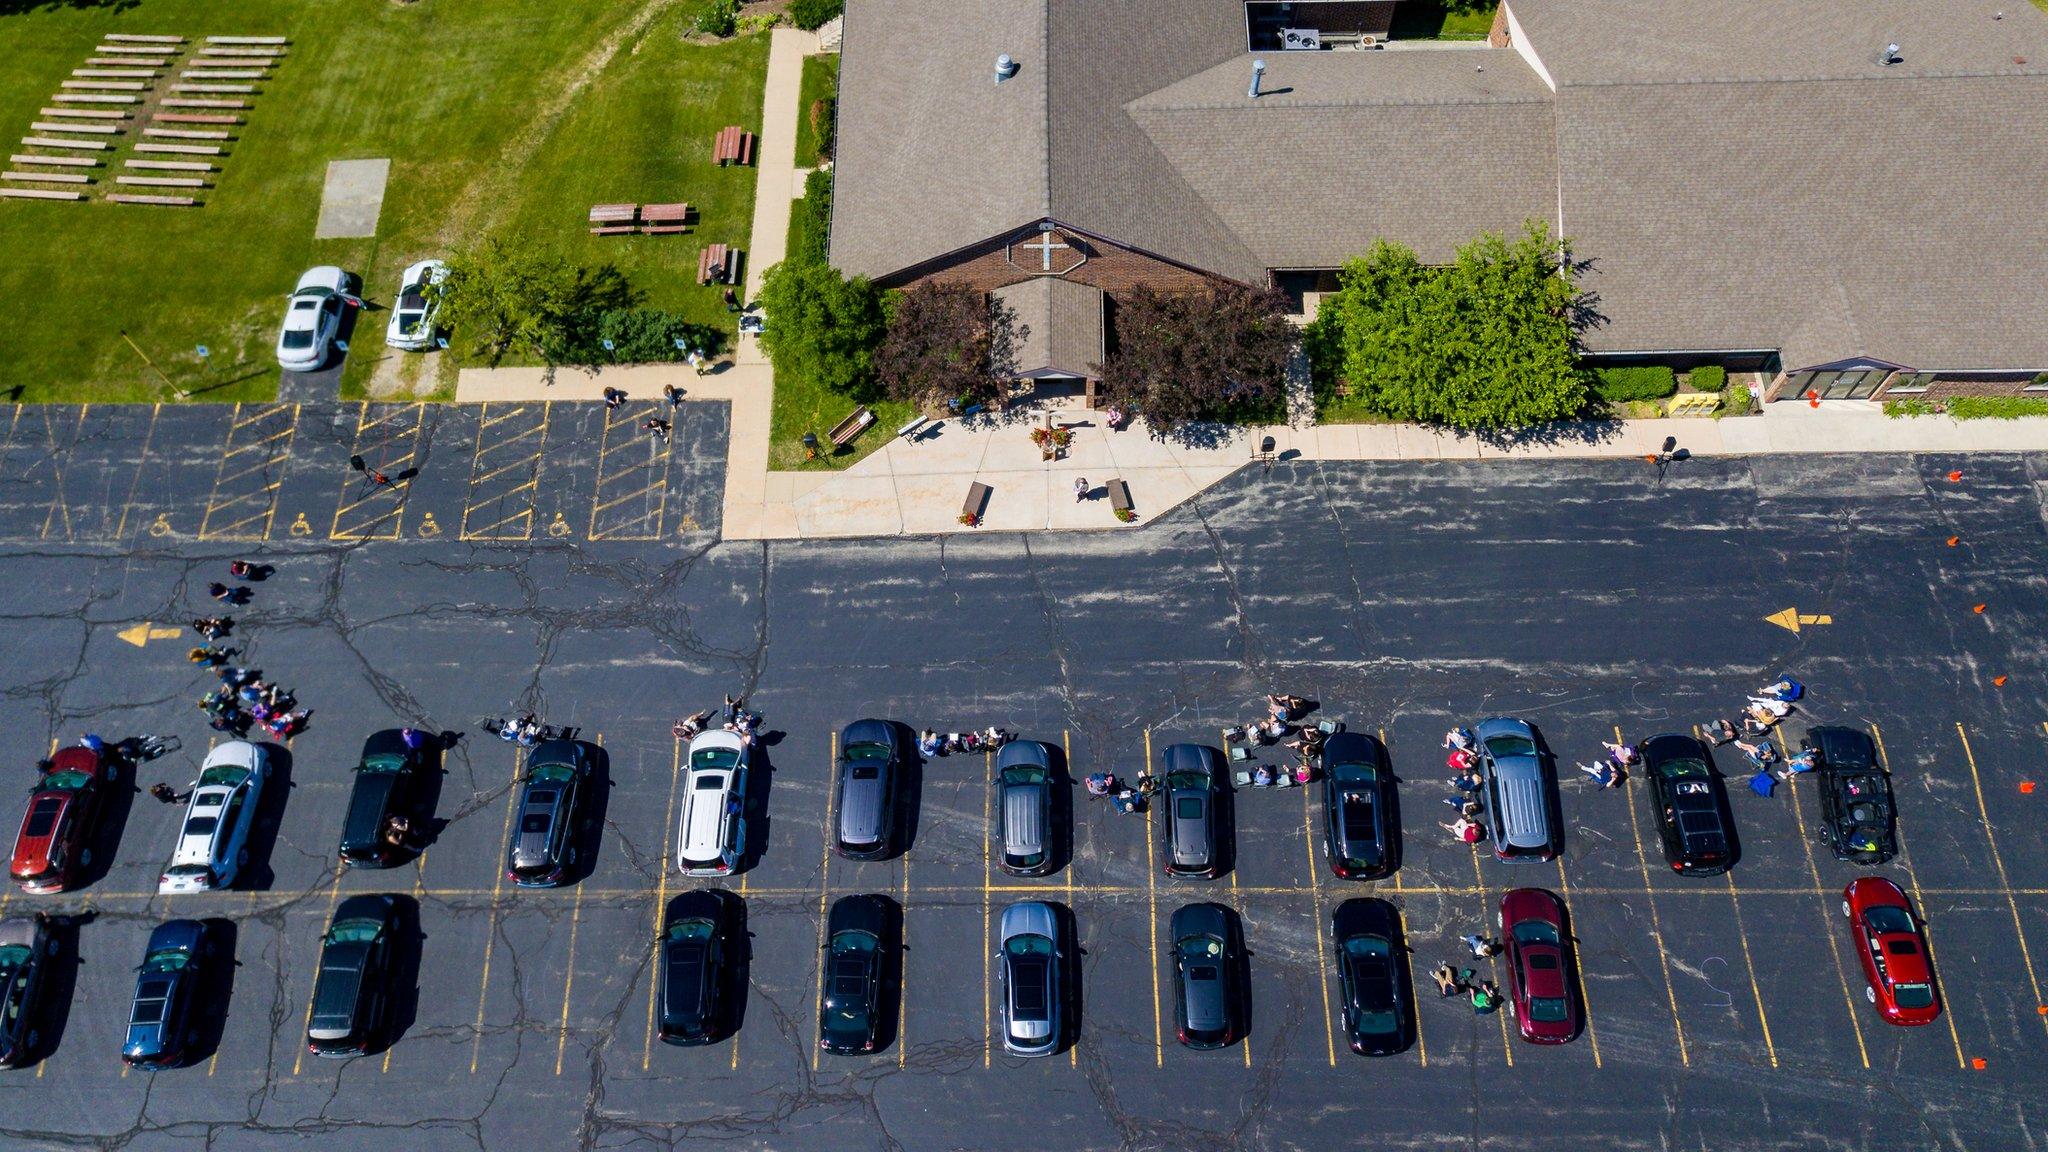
[(312, 319), (213, 845), (412, 319)]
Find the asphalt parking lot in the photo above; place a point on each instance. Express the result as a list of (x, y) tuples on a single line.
[(552, 556)]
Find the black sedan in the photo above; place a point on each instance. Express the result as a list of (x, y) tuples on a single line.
[(698, 951), (1189, 813), (25, 951), (352, 994), (858, 935), (1373, 973), (163, 1019), (1359, 833), (1208, 959), (1857, 819), (386, 785), (543, 849), (1690, 805)]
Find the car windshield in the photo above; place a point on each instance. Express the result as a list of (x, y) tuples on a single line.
[(354, 932), (1682, 769), (1023, 775), (1913, 995), (226, 774), (43, 817), (389, 764), (1504, 746), (297, 338), (1535, 932), (1886, 919), (1364, 946), (1178, 780), (1355, 772), (715, 758), (1028, 945), (556, 773), (1199, 947), (690, 930), (167, 960), (186, 870), (68, 780), (1548, 1009), (867, 751)]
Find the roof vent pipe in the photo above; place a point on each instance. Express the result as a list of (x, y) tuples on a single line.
[(1005, 67), (1889, 56), (1258, 74)]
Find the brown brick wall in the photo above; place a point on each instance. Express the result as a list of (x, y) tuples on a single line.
[(1108, 267)]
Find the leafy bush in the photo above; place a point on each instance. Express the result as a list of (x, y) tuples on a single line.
[(1911, 406), (1621, 385), (716, 17), (1708, 378), (1996, 407), (824, 118), (759, 22), (810, 231), (810, 14), (647, 336), (1735, 400), (821, 327)]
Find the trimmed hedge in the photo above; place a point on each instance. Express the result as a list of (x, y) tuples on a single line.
[(810, 14), (1708, 378), (1995, 407), (811, 225), (647, 336), (1621, 385)]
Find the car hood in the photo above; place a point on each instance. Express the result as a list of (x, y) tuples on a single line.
[(367, 805), (325, 276), (18, 931), (1031, 918)]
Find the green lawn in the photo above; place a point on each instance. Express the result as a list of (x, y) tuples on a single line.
[(507, 118), (821, 81), (1445, 19)]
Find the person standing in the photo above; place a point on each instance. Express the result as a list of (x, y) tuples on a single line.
[(1080, 489)]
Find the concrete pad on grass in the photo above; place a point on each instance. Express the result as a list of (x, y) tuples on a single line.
[(352, 198)]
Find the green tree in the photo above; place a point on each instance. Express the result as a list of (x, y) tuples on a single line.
[(1215, 355), (1489, 342), (528, 303), (822, 327)]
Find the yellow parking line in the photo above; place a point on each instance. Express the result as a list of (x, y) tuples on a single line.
[(1657, 933), (1827, 922), (902, 985), (824, 885), (988, 761), (1308, 836), (491, 922), (1919, 901), (134, 485), (661, 904), (2004, 881), (1742, 934), (1067, 879), (1152, 921), (1507, 1047), (569, 983)]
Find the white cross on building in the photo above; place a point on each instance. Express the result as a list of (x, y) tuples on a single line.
[(1045, 246)]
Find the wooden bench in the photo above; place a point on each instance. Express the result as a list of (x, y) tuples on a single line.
[(1119, 496), (977, 501), (664, 219), (718, 264), (54, 161), (735, 145), (167, 201), (47, 177), (197, 118), (843, 432), (87, 113), (40, 194), (614, 219)]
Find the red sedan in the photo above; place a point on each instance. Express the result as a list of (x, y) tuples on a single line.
[(1888, 942), (51, 847), (1539, 964)]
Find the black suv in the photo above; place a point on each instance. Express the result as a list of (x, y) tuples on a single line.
[(698, 951), (1358, 807), (25, 951), (386, 785), (1372, 969), (1857, 817), (1691, 805), (352, 994), (857, 943), (543, 848), (1208, 962)]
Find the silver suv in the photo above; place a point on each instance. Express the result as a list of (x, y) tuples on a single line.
[(869, 759), (1032, 963), (1024, 808)]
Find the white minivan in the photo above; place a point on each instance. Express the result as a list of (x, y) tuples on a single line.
[(711, 837), (213, 842)]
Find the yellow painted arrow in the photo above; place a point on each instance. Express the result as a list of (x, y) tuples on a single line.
[(144, 632), (1792, 619)]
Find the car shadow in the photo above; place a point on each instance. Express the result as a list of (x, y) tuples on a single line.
[(1553, 803), (890, 1010), (1060, 837), (588, 835), (760, 782), (1396, 840), (216, 989), (1726, 810), (1226, 824), (408, 947), (60, 984), (426, 800), (910, 794), (1241, 975), (739, 974), (1072, 994), (1404, 962), (256, 875), (104, 840)]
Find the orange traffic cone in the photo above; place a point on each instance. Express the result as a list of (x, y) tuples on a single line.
[(1954, 540), (1956, 477), (2026, 787), (1979, 609), (1998, 681)]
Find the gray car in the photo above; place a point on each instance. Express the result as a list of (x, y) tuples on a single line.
[(1521, 795), (869, 759), (1207, 955), (1189, 813), (543, 849), (1031, 965), (1024, 808)]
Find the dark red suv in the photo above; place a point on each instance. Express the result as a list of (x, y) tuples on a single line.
[(51, 849), (1542, 990)]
